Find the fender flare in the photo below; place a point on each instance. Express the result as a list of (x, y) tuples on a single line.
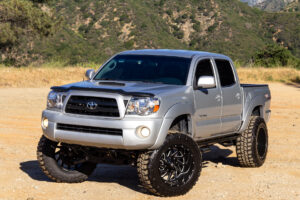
[(255, 102), (173, 112)]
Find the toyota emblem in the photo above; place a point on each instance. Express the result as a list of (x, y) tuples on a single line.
[(91, 105)]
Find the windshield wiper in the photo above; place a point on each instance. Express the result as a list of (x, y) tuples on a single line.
[(147, 81), (106, 79), (142, 81)]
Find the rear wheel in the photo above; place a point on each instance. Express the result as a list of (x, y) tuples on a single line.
[(173, 169), (252, 144), (62, 163)]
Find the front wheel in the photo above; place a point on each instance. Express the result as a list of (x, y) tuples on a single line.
[(173, 169), (61, 163), (252, 144)]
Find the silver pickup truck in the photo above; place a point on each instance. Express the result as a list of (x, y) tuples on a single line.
[(158, 110)]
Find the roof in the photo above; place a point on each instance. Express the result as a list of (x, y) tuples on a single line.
[(172, 52)]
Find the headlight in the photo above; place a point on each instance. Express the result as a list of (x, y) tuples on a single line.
[(143, 106), (55, 100)]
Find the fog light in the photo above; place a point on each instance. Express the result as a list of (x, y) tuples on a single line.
[(143, 132), (45, 123)]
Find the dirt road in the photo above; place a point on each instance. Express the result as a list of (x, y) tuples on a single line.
[(221, 177)]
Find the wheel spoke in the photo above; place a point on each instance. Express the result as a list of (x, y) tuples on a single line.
[(164, 174), (181, 162)]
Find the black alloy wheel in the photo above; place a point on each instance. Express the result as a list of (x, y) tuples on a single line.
[(173, 169), (67, 159), (262, 144), (62, 162), (176, 165)]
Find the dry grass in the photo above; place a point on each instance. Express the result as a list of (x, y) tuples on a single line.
[(39, 77), (262, 75), (50, 76)]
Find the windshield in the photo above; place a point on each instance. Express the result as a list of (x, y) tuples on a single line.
[(156, 69)]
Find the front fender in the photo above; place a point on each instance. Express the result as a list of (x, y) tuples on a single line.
[(175, 111)]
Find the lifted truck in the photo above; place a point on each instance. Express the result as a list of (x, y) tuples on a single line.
[(156, 110)]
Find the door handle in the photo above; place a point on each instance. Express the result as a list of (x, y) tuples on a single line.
[(218, 97), (238, 95)]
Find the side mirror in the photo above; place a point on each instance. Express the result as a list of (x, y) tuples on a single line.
[(90, 73), (206, 82)]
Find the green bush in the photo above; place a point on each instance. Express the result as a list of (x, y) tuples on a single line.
[(7, 35), (169, 12), (197, 27), (212, 28), (129, 44), (179, 34), (184, 16), (274, 56), (83, 29)]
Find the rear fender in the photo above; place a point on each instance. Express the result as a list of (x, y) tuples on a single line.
[(255, 102)]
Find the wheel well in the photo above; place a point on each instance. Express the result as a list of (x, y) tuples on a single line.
[(256, 111), (182, 124)]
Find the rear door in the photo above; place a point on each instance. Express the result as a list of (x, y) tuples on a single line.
[(231, 96), (207, 102)]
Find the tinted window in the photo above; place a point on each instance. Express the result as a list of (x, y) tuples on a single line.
[(156, 69), (204, 68), (225, 72)]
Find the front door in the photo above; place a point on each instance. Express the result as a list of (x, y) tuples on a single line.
[(207, 117)]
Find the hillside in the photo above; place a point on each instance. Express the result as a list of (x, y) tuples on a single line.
[(92, 31), (120, 25), (293, 7), (252, 2), (269, 5)]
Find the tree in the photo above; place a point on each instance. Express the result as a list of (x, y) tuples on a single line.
[(21, 20)]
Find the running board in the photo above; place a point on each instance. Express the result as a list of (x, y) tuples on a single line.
[(219, 139)]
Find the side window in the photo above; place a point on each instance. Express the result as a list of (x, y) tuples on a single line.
[(225, 72), (204, 68)]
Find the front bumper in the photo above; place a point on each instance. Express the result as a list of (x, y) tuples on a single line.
[(129, 139)]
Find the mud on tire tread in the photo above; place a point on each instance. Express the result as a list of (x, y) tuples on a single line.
[(246, 144), (145, 168), (48, 164)]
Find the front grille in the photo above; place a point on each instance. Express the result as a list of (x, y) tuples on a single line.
[(89, 129), (98, 106)]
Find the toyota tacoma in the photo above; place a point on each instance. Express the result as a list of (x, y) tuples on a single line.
[(157, 110)]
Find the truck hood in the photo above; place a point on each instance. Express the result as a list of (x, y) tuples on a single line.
[(121, 87)]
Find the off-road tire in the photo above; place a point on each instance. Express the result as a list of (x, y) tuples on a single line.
[(252, 144), (148, 167), (48, 164)]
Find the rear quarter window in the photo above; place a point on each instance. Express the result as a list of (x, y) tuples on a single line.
[(225, 72)]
